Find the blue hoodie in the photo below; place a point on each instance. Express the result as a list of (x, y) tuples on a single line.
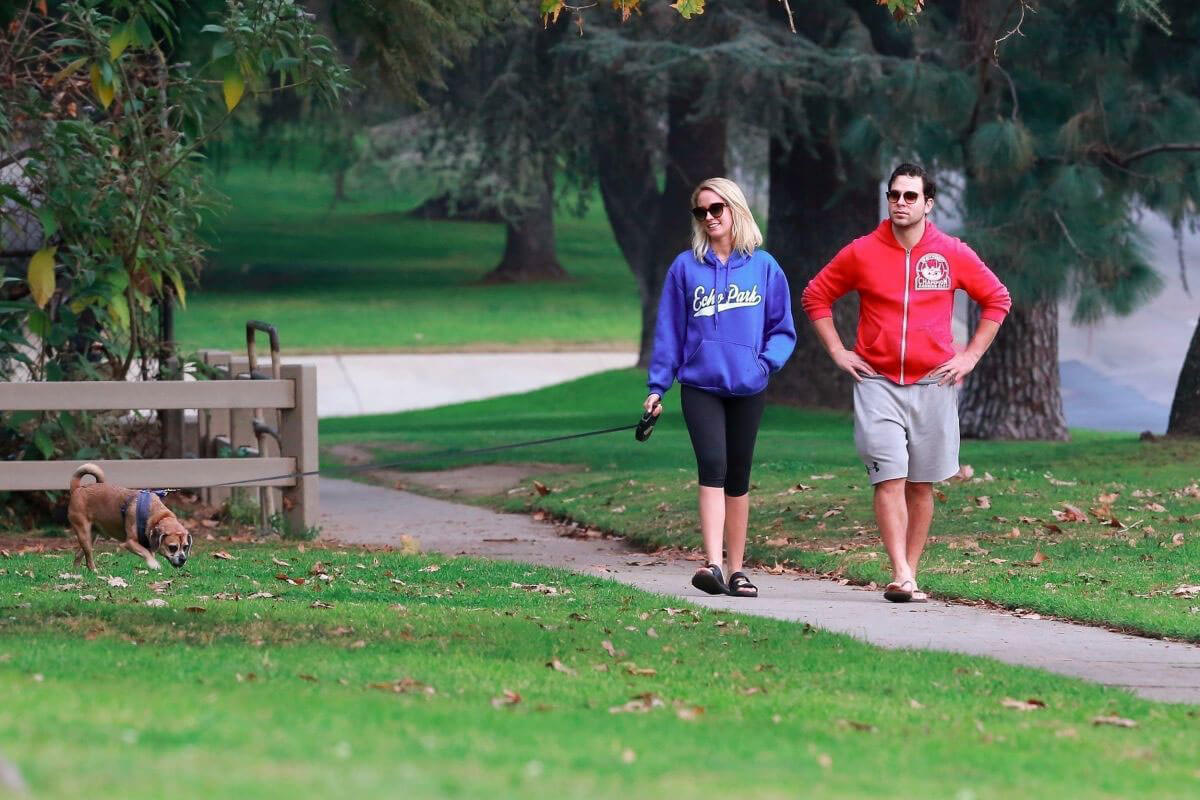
[(723, 328)]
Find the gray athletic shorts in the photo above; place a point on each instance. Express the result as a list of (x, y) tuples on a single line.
[(906, 431)]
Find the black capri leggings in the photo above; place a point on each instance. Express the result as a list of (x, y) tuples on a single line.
[(723, 430)]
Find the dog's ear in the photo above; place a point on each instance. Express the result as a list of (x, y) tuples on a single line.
[(155, 539)]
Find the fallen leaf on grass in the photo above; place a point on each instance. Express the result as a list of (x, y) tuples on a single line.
[(293, 581), (279, 563), (1056, 482), (539, 587), (866, 727), (1159, 507), (430, 568), (688, 713), (965, 473), (1177, 540), (541, 488), (117, 581), (983, 501), (825, 476), (156, 602), (644, 672), (1038, 559), (405, 686), (160, 586), (196, 609), (317, 569), (640, 704), (914, 703), (222, 555), (1120, 722), (1108, 498), (305, 677), (628, 756), (259, 596), (825, 760), (1032, 704), (320, 604), (559, 666), (1186, 591), (1069, 513), (608, 648), (509, 698)]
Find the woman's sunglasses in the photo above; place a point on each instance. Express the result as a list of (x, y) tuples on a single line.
[(716, 209), (909, 197)]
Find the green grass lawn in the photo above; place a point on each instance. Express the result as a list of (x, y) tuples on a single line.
[(811, 502), (364, 277), (409, 676)]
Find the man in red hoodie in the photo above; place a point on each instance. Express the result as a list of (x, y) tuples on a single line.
[(905, 366)]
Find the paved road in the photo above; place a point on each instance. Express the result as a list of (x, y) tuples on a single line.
[(361, 514)]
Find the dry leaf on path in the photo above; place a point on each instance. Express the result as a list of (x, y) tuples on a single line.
[(541, 488)]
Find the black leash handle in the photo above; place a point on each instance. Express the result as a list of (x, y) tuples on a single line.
[(645, 425)]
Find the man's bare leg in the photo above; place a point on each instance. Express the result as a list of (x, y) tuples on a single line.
[(737, 519), (891, 514), (918, 499)]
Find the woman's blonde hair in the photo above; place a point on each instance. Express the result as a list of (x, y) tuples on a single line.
[(746, 235)]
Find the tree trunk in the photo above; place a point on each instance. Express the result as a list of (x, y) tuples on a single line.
[(529, 250), (1185, 408), (818, 205), (652, 227), (1014, 393)]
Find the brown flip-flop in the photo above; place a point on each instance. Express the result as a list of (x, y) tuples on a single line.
[(897, 593)]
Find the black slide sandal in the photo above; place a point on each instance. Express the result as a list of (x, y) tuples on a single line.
[(709, 580), (740, 586)]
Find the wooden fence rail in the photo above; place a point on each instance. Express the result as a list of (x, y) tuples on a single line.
[(294, 396)]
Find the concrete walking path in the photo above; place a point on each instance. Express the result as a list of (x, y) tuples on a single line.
[(356, 513)]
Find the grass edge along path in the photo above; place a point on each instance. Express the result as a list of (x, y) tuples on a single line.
[(455, 677), (1100, 530)]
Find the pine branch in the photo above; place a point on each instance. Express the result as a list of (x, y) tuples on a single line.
[(1172, 147)]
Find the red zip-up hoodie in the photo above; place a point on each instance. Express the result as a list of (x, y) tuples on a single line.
[(906, 297)]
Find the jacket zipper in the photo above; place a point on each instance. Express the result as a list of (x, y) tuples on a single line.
[(904, 322)]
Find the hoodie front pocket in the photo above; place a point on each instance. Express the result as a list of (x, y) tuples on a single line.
[(724, 367)]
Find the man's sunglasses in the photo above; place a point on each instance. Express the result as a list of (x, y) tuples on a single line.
[(716, 209), (910, 196)]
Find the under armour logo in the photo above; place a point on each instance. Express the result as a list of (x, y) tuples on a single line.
[(874, 465)]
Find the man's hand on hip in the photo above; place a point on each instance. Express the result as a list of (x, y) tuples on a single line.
[(957, 368), (853, 363)]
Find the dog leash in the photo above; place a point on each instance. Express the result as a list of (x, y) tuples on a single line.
[(641, 425)]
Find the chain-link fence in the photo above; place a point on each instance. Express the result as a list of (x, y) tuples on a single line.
[(20, 229)]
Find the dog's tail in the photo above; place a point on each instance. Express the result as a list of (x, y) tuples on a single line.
[(86, 469)]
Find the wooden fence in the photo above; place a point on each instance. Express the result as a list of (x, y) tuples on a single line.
[(293, 398)]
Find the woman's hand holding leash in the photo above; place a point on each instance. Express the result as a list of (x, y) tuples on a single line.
[(645, 426)]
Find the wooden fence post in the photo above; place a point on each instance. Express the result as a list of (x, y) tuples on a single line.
[(298, 430)]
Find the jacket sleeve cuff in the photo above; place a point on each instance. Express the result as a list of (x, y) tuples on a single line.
[(996, 315), (819, 313), (658, 390)]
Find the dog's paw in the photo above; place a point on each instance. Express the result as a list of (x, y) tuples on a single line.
[(153, 564)]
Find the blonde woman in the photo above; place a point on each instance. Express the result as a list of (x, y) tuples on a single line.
[(724, 327)]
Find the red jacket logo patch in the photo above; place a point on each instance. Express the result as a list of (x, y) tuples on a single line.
[(933, 272)]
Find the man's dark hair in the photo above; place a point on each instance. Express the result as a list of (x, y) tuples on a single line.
[(928, 186)]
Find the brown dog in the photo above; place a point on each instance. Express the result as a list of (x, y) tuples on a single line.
[(101, 508)]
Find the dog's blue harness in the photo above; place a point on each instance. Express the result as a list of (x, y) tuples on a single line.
[(142, 512)]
